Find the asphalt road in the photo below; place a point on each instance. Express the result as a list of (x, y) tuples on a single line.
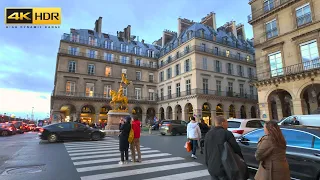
[(163, 157)]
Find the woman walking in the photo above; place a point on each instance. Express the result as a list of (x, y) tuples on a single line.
[(123, 139), (271, 152), (193, 135)]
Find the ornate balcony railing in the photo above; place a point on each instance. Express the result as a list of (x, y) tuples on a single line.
[(68, 38), (206, 50), (290, 70), (267, 7), (107, 59)]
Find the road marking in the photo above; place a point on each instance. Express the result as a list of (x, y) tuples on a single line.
[(91, 143), (109, 155), (153, 161), (183, 176), (105, 151), (93, 147), (139, 171), (90, 150), (116, 159)]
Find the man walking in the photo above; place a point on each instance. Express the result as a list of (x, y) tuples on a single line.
[(213, 147), (135, 145)]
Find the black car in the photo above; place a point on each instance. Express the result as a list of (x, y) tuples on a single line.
[(303, 150), (70, 131)]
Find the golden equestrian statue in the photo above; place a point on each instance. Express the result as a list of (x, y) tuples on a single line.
[(118, 97)]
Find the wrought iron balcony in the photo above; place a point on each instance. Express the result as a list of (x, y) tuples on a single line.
[(198, 91), (290, 70), (267, 7), (67, 38), (105, 58)]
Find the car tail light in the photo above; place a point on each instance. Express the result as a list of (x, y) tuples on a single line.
[(41, 130), (238, 131), (168, 125), (10, 129)]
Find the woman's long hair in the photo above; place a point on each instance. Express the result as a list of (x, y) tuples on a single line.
[(276, 134)]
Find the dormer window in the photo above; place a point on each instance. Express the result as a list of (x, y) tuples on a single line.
[(74, 37), (225, 40), (150, 53), (124, 48), (189, 35), (92, 41), (201, 33), (108, 44), (137, 50)]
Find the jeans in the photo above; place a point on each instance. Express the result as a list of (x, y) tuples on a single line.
[(135, 148), (124, 153), (194, 144)]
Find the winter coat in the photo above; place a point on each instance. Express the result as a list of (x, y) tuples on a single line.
[(123, 137), (193, 131), (273, 162), (136, 126)]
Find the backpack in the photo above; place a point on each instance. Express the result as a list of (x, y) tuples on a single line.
[(131, 135)]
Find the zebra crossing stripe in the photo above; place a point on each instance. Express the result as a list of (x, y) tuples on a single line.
[(90, 144), (153, 161), (109, 155), (90, 150), (183, 176), (117, 159), (100, 152), (139, 171), (93, 147)]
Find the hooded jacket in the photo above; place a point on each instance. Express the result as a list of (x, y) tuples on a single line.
[(193, 131)]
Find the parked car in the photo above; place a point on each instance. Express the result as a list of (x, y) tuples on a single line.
[(7, 129), (306, 120), (19, 126), (69, 131), (173, 127), (32, 127), (242, 126), (303, 150)]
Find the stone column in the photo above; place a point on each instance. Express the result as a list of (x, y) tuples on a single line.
[(213, 116), (297, 106), (264, 111), (56, 117), (174, 115), (97, 118), (279, 109), (143, 120), (183, 116)]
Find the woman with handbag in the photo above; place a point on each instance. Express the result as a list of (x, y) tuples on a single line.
[(193, 135), (123, 139)]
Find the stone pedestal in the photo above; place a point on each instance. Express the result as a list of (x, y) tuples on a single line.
[(114, 117)]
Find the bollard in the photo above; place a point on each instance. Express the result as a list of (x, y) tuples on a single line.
[(150, 130)]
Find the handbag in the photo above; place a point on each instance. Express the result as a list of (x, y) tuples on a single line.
[(188, 146), (131, 135)]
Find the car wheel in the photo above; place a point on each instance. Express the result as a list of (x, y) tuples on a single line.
[(95, 136), (52, 138), (163, 134), (173, 132), (4, 133)]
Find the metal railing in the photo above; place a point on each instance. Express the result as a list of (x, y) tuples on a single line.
[(98, 44), (105, 58), (273, 4), (290, 70), (196, 48)]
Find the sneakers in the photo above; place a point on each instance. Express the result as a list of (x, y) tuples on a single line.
[(193, 156), (121, 162)]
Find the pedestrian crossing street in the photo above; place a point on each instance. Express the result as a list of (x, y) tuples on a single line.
[(98, 160)]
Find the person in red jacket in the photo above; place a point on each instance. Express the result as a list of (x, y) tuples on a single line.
[(135, 145)]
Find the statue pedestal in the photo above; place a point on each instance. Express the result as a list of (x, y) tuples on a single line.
[(114, 117)]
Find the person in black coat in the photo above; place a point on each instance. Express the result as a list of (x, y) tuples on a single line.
[(123, 139)]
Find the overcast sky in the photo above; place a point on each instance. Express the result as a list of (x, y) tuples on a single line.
[(28, 56)]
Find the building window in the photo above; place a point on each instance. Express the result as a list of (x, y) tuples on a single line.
[(230, 87), (203, 47), (276, 66), (218, 84), (92, 53), (310, 54), (268, 5), (251, 90), (205, 86), (89, 89), (161, 76), (227, 53), (73, 50), (91, 69), (230, 68), (150, 53), (218, 66), (108, 71), (161, 63), (93, 41), (240, 71), (125, 91), (186, 49), (188, 86), (178, 89), (108, 57), (205, 63), (151, 77), (108, 44), (239, 56), (177, 54), (137, 92), (124, 59), (151, 64), (74, 37), (169, 92), (138, 75), (161, 94), (241, 90), (136, 50), (303, 15), (151, 95), (248, 58), (138, 62), (169, 72), (72, 66), (177, 69), (250, 73), (271, 29), (70, 88), (124, 71), (106, 91), (169, 59), (187, 65), (216, 51), (124, 48)]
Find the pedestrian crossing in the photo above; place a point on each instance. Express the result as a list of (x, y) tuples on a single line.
[(98, 160)]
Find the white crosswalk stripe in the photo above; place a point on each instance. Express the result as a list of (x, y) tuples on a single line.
[(98, 160)]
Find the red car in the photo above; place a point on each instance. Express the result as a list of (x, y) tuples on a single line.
[(32, 127), (7, 129)]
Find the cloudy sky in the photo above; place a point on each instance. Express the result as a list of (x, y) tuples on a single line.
[(28, 56)]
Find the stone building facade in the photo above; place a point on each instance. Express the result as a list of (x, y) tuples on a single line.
[(200, 71), (286, 41)]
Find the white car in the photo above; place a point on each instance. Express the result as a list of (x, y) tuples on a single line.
[(241, 126)]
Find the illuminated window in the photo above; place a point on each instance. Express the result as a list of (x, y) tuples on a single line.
[(108, 71), (227, 53), (248, 58), (106, 91), (89, 89), (70, 88)]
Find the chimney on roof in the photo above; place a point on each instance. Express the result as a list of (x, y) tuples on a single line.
[(98, 25), (240, 32), (183, 24), (234, 28), (142, 41), (210, 20), (167, 36)]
